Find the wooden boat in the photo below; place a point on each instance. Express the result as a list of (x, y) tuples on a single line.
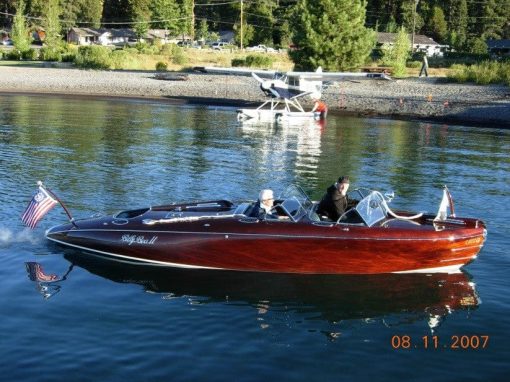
[(368, 239)]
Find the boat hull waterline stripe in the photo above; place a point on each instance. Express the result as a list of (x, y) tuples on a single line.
[(270, 235)]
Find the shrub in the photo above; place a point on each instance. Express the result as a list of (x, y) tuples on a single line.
[(238, 62), (120, 57), (161, 66), (51, 54), (69, 52), (484, 73), (93, 57), (146, 48), (413, 64), (257, 60), (30, 54), (13, 54), (178, 56)]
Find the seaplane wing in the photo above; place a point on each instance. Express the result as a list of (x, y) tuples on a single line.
[(237, 71), (338, 76)]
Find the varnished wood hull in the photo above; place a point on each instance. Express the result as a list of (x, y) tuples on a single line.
[(281, 247)]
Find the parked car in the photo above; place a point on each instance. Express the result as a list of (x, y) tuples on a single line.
[(219, 45), (7, 41), (261, 48)]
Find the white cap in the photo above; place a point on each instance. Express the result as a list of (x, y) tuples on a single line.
[(265, 194)]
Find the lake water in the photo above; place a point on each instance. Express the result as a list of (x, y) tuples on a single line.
[(110, 322)]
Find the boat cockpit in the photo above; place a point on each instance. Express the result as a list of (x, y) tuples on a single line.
[(366, 208)]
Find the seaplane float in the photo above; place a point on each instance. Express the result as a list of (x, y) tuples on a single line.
[(369, 238), (284, 90)]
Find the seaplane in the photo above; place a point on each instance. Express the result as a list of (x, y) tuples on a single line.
[(284, 90)]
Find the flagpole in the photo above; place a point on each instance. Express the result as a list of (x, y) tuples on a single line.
[(71, 219)]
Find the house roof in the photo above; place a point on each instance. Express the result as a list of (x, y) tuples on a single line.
[(419, 39), (498, 44), (88, 31)]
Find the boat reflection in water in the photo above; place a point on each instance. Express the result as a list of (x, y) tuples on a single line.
[(420, 297)]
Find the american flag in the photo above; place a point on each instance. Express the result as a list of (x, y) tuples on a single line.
[(36, 273), (40, 204)]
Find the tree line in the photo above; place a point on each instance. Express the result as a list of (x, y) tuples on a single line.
[(334, 34), (463, 24)]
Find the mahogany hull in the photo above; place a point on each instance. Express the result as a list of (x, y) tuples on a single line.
[(281, 247)]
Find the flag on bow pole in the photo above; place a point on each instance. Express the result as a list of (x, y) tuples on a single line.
[(39, 206)]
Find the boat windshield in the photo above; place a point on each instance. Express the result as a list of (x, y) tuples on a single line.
[(295, 202), (369, 210), (372, 208)]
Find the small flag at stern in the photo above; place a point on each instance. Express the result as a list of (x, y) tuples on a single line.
[(39, 206)]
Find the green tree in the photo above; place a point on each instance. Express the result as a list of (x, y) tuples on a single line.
[(397, 54), (458, 23), (411, 15), (186, 24), (52, 29), (330, 34), (438, 27), (202, 30), (167, 15), (247, 33), (488, 19), (20, 32), (141, 15), (91, 11), (259, 14)]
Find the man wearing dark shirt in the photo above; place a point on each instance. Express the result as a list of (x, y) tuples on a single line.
[(334, 202)]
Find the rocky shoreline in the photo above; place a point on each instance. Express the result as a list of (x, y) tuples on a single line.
[(414, 98)]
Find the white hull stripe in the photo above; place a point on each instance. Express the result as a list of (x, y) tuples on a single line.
[(137, 259), (262, 235)]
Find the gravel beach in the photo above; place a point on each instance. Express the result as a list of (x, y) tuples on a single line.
[(418, 98)]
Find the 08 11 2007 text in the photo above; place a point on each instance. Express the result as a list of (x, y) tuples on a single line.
[(454, 342)]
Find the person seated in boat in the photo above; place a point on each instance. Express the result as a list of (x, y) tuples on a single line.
[(335, 202), (263, 206), (320, 107)]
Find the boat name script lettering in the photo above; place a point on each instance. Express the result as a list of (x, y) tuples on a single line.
[(130, 239)]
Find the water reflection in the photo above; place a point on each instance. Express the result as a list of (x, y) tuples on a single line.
[(280, 146), (47, 284), (326, 297)]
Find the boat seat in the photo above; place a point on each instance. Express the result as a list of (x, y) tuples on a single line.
[(244, 209)]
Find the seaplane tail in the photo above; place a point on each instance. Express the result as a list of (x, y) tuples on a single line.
[(310, 85)]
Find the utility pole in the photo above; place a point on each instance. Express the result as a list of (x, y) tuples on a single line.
[(241, 24), (414, 22), (192, 21)]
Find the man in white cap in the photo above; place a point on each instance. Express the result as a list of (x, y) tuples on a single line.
[(262, 208)]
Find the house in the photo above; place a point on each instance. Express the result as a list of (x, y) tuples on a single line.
[(121, 36), (226, 36), (88, 36), (498, 48), (422, 43)]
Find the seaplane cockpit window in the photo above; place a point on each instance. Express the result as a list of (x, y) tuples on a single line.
[(293, 81)]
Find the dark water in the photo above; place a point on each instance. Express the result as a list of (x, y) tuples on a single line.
[(110, 322)]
